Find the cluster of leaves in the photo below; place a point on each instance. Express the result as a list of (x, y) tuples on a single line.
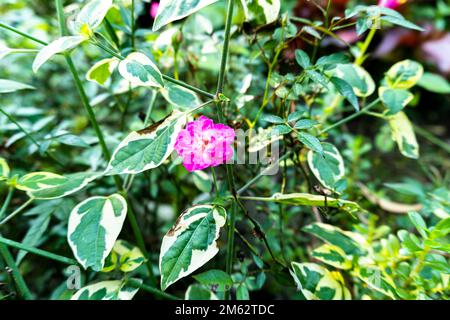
[(369, 249)]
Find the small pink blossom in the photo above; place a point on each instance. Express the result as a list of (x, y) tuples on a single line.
[(204, 144), (154, 9), (391, 4)]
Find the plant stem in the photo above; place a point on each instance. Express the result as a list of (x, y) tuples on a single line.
[(6, 202), (216, 186), (36, 251), (152, 290), (433, 139), (230, 244), (23, 34), (17, 276), (111, 32), (360, 59), (352, 116), (133, 42), (17, 211), (225, 50)]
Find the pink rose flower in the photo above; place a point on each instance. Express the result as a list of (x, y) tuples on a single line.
[(204, 144), (391, 4), (154, 9)]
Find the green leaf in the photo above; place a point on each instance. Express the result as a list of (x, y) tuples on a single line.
[(7, 86), (327, 167), (93, 228), (102, 70), (394, 99), (183, 99), (126, 256), (358, 78), (402, 22), (47, 185), (294, 116), (310, 142), (281, 129), (242, 292), (404, 74), (434, 83), (317, 77), (332, 255), (305, 124), (302, 58), (4, 169), (419, 223), (92, 15), (218, 280), (403, 134), (272, 118), (306, 199), (317, 283), (106, 290), (346, 91), (172, 10), (190, 243), (58, 46), (148, 148), (202, 181), (199, 292), (441, 229), (378, 280), (351, 243), (139, 70), (330, 62)]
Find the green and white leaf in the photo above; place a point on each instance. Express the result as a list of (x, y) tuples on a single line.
[(378, 280), (129, 257), (403, 134), (190, 243), (261, 11), (106, 290), (91, 15), (199, 292), (317, 283), (357, 77), (148, 148), (332, 255), (58, 46), (93, 228), (350, 243), (306, 199), (102, 70), (47, 185), (172, 10), (181, 98), (394, 99), (7, 86), (327, 167), (139, 70), (404, 74), (218, 280)]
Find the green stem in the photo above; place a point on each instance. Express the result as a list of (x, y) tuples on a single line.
[(17, 211), (360, 59), (133, 42), (352, 116), (17, 276), (23, 34), (230, 244), (152, 290), (433, 139), (36, 251), (6, 202), (112, 34), (216, 185), (150, 108), (225, 50)]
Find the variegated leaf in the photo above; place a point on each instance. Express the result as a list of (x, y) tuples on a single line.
[(125, 256), (199, 292), (138, 69), (360, 80), (58, 46), (106, 290), (102, 70), (351, 243), (378, 281), (394, 99), (190, 243), (7, 86), (332, 255), (172, 10), (403, 134), (261, 11), (404, 74), (307, 199), (90, 17), (93, 228), (181, 98), (148, 148), (317, 283), (47, 185), (328, 168)]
